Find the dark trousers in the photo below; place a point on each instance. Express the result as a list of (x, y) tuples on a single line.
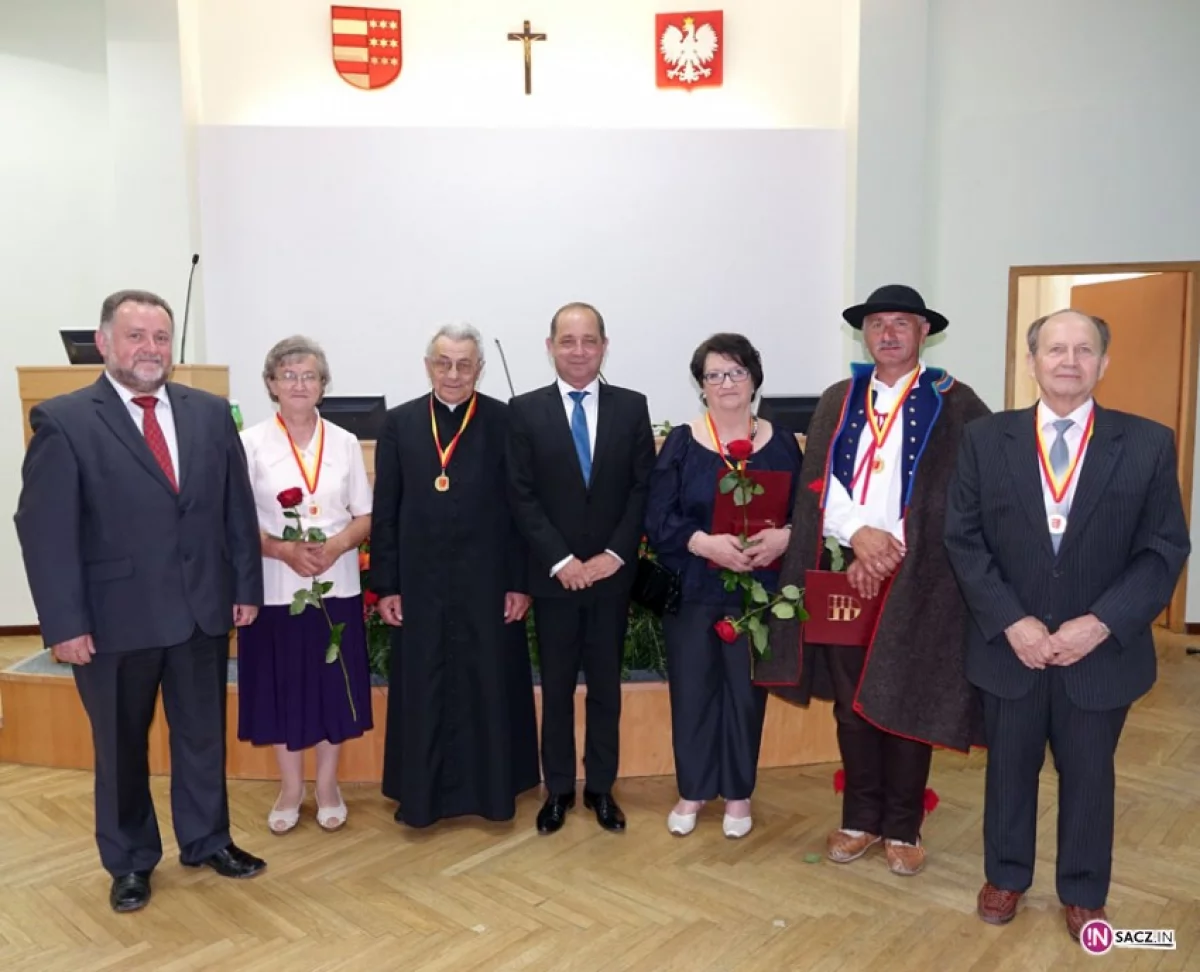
[(119, 690), (716, 711), (574, 632), (1083, 744), (886, 774)]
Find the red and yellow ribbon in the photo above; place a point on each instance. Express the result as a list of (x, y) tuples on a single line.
[(881, 428), (1059, 487), (716, 441), (310, 482), (445, 454)]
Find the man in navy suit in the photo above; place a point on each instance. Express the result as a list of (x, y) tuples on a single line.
[(580, 453), (1066, 530), (141, 546)]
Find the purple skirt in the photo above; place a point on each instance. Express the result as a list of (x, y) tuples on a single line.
[(287, 693)]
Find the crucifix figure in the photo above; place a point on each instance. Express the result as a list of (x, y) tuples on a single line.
[(526, 37)]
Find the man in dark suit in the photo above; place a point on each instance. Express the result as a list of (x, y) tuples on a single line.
[(580, 454), (1066, 531), (141, 547)]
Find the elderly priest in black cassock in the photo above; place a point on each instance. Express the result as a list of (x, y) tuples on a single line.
[(449, 569)]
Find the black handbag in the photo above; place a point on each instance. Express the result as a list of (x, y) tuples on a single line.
[(656, 588)]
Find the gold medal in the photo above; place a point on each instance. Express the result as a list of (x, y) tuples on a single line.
[(442, 483), (314, 510), (1057, 523), (877, 465)]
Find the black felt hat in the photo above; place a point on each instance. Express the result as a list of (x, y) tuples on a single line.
[(895, 297)]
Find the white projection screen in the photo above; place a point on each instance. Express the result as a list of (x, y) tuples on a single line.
[(367, 239)]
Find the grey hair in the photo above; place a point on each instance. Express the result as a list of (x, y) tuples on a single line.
[(290, 349), (456, 332), (1099, 323), (113, 302)]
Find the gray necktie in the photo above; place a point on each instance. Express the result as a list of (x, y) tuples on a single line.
[(1060, 458)]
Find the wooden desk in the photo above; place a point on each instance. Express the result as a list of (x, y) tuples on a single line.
[(37, 384)]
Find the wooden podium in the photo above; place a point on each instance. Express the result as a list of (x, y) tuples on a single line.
[(37, 384)]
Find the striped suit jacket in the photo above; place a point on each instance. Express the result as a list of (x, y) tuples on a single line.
[(1120, 558)]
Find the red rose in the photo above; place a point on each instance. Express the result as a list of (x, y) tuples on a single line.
[(370, 599), (291, 498), (740, 449), (726, 631)]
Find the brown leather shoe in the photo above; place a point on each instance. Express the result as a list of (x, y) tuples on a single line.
[(904, 859), (1078, 917), (843, 848), (997, 906)]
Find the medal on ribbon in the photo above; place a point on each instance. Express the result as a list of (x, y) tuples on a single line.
[(442, 482), (310, 480), (881, 425), (1057, 522)]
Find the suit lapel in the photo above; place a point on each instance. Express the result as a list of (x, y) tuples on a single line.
[(604, 427), (1026, 474), (186, 432), (559, 427), (1099, 461), (114, 413)]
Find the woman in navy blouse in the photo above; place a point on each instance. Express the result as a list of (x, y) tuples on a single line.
[(716, 711)]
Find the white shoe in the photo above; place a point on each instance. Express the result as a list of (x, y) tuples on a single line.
[(736, 827), (283, 821), (681, 824), (332, 818)]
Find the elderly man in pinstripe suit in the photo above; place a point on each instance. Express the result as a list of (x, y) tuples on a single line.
[(1066, 530)]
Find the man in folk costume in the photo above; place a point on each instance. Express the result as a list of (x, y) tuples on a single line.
[(879, 454)]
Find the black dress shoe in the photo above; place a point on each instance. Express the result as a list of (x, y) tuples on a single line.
[(554, 811), (232, 862), (398, 816), (608, 814), (130, 892)]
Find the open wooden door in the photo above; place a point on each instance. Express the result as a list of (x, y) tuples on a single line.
[(1147, 369)]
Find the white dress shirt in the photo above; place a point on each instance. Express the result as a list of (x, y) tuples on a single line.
[(343, 492), (1074, 439), (591, 407), (845, 515), (162, 411), (591, 411)]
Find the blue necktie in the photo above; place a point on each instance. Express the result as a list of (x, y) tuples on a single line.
[(1060, 458), (579, 432)]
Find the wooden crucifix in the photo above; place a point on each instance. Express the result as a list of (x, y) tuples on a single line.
[(527, 38)]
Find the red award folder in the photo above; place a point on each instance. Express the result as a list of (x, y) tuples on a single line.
[(768, 510), (837, 615)]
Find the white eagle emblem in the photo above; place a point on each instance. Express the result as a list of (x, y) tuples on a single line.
[(688, 50)]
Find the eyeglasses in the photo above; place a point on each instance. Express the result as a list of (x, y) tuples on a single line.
[(736, 375), (291, 378), (444, 366)]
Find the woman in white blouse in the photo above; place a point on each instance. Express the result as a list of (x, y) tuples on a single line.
[(289, 697)]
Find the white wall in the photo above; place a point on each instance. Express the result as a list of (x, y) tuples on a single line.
[(267, 62), (93, 193), (55, 198), (1059, 133)]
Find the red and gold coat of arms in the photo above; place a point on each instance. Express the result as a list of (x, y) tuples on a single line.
[(366, 46)]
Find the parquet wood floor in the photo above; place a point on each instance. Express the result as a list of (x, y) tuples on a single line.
[(469, 896)]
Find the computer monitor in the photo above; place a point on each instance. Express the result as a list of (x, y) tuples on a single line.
[(81, 347), (791, 412), (361, 414)]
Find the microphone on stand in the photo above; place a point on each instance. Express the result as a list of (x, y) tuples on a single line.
[(187, 306), (504, 362)]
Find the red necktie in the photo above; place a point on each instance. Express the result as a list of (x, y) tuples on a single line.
[(155, 438)]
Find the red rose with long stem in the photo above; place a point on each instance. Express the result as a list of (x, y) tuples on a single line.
[(740, 449)]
